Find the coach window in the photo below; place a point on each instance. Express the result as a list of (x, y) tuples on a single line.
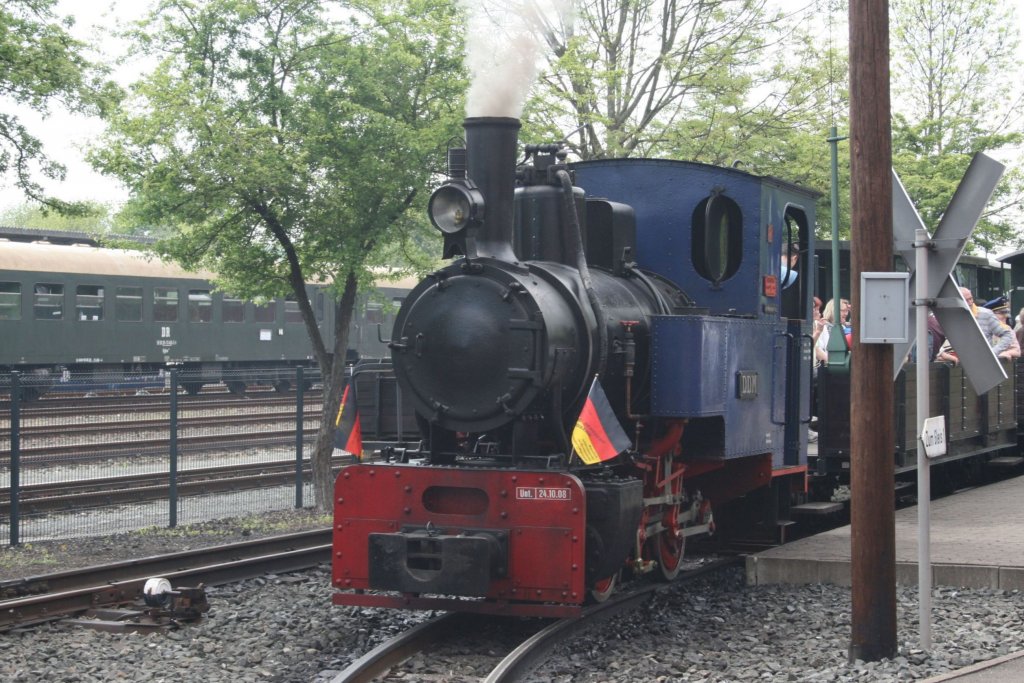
[(200, 306), (49, 302), (292, 314), (233, 310), (89, 302), (267, 313), (128, 304), (10, 301), (716, 240), (165, 305), (374, 313)]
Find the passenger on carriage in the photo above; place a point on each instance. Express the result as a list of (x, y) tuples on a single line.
[(1001, 337)]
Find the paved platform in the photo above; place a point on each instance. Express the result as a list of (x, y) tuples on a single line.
[(977, 541), (1006, 669)]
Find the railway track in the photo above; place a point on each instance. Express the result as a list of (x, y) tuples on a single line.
[(64, 453), (51, 497), (36, 430), (76, 405), (34, 600), (432, 641), (47, 439)]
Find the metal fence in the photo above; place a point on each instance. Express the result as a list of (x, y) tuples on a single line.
[(111, 453)]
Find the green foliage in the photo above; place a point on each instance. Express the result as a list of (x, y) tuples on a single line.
[(93, 218), (283, 141), (954, 63), (271, 127), (784, 131), (42, 65)]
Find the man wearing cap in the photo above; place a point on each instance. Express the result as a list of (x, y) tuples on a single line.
[(1003, 341), (1002, 313)]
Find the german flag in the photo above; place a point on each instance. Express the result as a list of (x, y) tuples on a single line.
[(598, 436), (349, 434)]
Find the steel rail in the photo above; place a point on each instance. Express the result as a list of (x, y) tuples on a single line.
[(160, 423), (138, 488), (88, 451), (72, 592), (394, 651), (63, 407), (523, 659), (534, 650)]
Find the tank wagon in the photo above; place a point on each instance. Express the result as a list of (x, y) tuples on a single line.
[(646, 296)]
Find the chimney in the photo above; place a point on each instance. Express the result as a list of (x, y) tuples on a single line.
[(491, 147)]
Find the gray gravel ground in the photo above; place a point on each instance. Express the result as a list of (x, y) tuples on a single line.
[(727, 631), (286, 629)]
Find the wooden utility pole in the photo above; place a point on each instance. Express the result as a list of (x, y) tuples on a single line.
[(872, 509)]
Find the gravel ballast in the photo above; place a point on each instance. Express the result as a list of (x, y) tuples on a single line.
[(284, 628)]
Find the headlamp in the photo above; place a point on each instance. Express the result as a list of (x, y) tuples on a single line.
[(455, 205)]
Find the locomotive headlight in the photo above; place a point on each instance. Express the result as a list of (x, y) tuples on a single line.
[(455, 205)]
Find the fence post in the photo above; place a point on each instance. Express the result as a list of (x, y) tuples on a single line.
[(15, 458), (299, 423), (172, 488)]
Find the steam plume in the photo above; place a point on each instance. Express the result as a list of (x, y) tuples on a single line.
[(503, 51)]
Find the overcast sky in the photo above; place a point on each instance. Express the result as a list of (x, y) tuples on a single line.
[(65, 135)]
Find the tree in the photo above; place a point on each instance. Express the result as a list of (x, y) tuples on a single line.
[(954, 66), (41, 65), (92, 218), (285, 142), (625, 72), (718, 82), (780, 125)]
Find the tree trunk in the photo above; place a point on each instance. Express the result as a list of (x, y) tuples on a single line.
[(334, 382)]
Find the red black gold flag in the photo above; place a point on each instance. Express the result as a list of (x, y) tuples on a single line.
[(349, 434), (598, 436)]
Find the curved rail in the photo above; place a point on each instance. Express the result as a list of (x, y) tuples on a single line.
[(396, 650), (531, 653), (524, 658)]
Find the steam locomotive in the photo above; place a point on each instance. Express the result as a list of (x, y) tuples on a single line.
[(665, 284)]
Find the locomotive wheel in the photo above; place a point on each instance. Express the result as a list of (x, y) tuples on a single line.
[(282, 386), (193, 388), (668, 545), (236, 387), (603, 589), (668, 551)]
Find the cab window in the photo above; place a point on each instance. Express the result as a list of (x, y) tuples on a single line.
[(716, 246)]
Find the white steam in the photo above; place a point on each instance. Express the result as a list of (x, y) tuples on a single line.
[(503, 51)]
